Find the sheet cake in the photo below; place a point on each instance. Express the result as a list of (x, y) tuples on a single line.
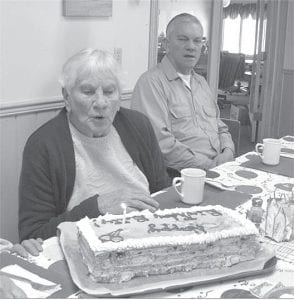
[(164, 242)]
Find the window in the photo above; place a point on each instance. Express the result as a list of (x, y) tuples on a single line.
[(231, 34), (239, 35)]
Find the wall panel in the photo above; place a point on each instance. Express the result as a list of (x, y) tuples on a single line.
[(15, 129), (8, 178)]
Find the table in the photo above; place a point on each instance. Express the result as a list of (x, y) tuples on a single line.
[(55, 268)]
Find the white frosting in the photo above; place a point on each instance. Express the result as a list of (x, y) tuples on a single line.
[(88, 232), (241, 227)]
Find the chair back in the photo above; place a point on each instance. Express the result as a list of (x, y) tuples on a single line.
[(232, 67), (234, 129)]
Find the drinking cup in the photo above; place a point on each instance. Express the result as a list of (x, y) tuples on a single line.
[(192, 185), (271, 149)]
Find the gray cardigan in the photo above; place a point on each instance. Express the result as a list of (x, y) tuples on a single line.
[(48, 171)]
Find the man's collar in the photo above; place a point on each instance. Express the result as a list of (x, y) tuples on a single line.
[(169, 69)]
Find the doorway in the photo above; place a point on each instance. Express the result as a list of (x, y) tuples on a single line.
[(242, 60)]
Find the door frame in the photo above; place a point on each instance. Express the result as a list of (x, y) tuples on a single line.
[(273, 77)]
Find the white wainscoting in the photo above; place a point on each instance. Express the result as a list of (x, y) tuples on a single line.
[(17, 122)]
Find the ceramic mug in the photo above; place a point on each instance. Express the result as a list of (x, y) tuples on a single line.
[(271, 149), (192, 185)]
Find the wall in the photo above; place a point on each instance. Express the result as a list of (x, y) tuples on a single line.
[(200, 8), (35, 40), (14, 131)]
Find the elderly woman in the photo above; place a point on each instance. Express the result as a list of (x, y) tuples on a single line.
[(93, 156)]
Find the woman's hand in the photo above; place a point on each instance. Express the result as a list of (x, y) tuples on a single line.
[(31, 246), (134, 200)]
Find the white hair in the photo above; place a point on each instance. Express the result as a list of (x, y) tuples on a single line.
[(184, 17), (90, 61)]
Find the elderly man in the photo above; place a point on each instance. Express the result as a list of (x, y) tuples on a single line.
[(92, 157), (179, 103)]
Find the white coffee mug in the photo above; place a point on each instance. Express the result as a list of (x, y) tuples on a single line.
[(192, 185), (271, 149)]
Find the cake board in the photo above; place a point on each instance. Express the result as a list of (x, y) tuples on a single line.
[(264, 263)]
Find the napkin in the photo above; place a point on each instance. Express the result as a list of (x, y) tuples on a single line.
[(51, 253), (25, 286)]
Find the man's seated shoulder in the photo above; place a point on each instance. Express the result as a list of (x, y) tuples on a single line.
[(154, 74)]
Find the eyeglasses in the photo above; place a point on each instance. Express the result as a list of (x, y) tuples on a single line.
[(200, 42), (197, 42)]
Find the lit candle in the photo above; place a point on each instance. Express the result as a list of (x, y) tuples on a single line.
[(124, 207)]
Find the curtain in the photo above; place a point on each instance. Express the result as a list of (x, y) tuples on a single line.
[(244, 10)]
